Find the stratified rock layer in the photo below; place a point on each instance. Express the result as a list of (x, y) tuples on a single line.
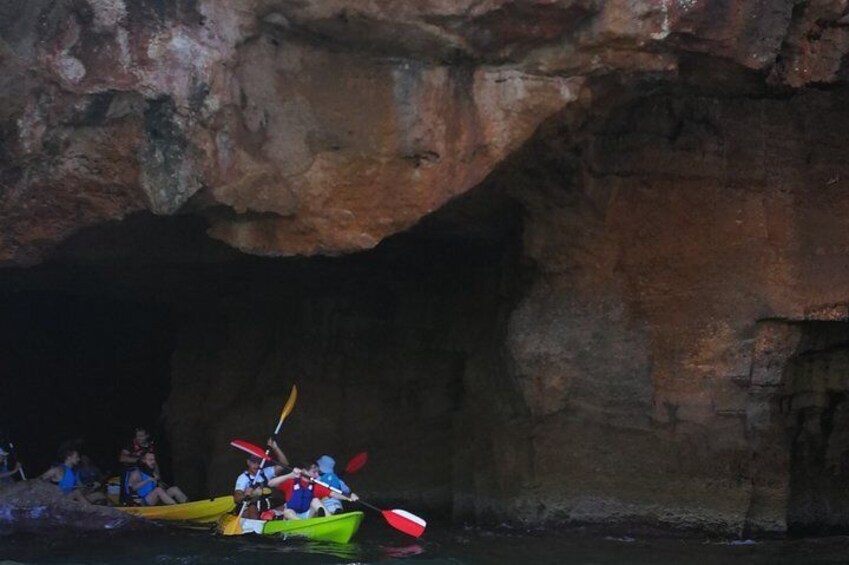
[(292, 144)]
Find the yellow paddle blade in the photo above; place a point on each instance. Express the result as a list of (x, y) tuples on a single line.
[(230, 525), (290, 404)]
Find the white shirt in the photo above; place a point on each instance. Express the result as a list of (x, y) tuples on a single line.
[(245, 480)]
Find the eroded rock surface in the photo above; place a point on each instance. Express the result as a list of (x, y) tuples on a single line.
[(35, 505), (292, 143), (304, 128), (657, 334)]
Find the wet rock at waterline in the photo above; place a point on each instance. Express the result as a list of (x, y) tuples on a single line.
[(35, 505)]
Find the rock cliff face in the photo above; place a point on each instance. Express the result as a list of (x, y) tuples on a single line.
[(626, 294)]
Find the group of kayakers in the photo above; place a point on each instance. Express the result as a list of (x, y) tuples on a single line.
[(307, 491), (139, 484), (268, 492)]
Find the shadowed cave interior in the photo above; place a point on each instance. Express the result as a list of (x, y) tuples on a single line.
[(815, 404), (149, 322)]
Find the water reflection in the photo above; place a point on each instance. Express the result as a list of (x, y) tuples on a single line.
[(439, 547), (403, 551)]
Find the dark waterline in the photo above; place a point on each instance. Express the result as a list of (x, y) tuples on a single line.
[(441, 546)]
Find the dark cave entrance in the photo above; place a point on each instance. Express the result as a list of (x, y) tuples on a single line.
[(81, 369), (815, 404), (395, 351)]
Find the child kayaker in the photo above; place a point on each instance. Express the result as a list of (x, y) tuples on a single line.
[(303, 496), (327, 475)]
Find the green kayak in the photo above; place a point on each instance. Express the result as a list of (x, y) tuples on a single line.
[(339, 528)]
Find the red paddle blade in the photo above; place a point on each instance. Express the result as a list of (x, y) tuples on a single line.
[(356, 463), (405, 522), (250, 448)]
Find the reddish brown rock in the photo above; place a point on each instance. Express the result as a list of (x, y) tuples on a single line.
[(303, 128), (662, 339)]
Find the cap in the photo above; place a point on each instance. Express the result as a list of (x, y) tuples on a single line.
[(325, 464)]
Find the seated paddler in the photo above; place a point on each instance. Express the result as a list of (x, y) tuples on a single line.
[(252, 484)]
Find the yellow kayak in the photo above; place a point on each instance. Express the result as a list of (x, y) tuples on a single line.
[(203, 511)]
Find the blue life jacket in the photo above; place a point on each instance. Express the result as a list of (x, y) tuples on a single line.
[(333, 480), (301, 497), (69, 480), (5, 469), (147, 488)]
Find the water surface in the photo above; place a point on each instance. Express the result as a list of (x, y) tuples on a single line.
[(379, 544)]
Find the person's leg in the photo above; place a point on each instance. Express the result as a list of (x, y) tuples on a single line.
[(332, 505), (317, 509), (289, 514), (158, 496), (177, 494)]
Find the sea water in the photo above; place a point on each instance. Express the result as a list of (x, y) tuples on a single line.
[(377, 543)]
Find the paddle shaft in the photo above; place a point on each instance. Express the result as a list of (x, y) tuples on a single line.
[(267, 453), (21, 467), (391, 517)]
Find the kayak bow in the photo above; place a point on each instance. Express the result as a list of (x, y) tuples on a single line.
[(202, 511), (339, 528)]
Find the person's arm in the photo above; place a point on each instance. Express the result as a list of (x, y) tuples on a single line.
[(283, 478), (346, 490), (278, 453), (12, 472), (159, 480), (127, 458), (50, 475), (239, 496), (243, 490), (349, 497), (136, 481)]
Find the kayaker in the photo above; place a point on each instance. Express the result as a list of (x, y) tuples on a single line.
[(129, 458), (6, 474), (326, 468), (90, 476), (251, 483), (145, 482), (65, 477), (303, 496), (141, 443)]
